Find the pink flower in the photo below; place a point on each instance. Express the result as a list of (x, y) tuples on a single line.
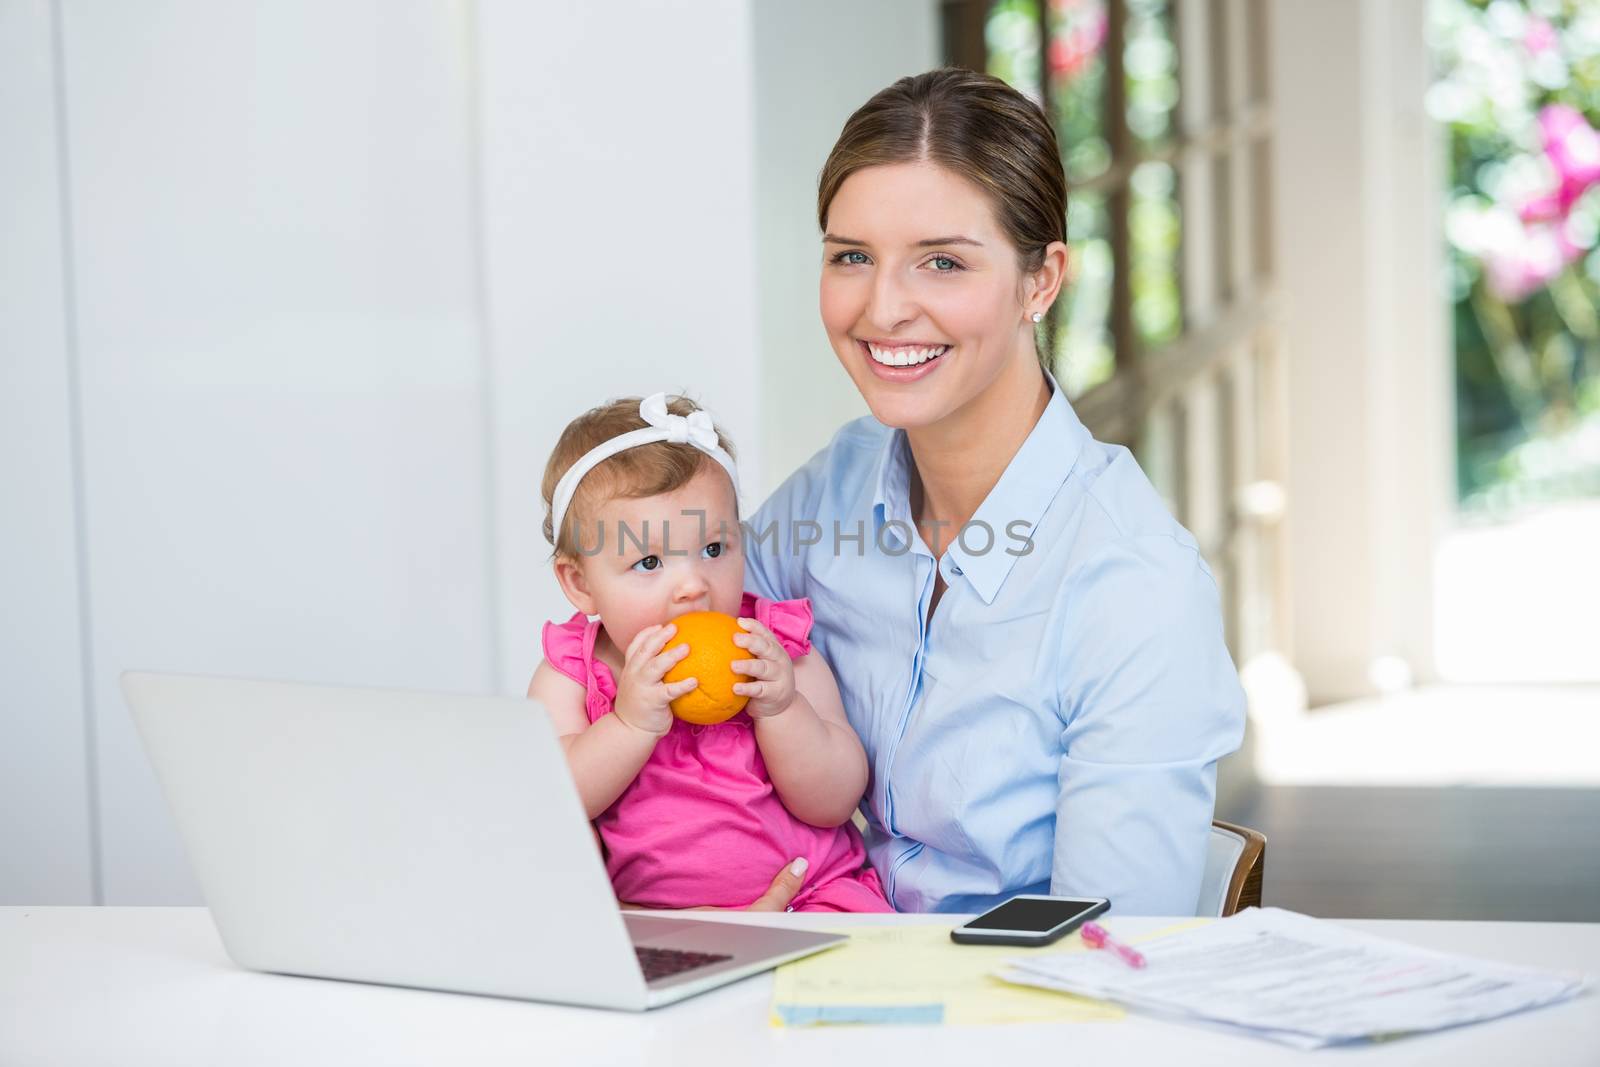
[(1546, 207), (1072, 50), (1517, 272), (1573, 148), (1541, 36)]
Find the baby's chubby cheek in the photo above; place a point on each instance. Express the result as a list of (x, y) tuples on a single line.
[(622, 631), (728, 599)]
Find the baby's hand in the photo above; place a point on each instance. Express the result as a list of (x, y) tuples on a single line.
[(773, 689), (643, 699)]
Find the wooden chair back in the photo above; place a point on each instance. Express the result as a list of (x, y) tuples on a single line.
[(1244, 887)]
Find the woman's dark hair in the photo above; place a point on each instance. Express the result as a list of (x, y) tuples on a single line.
[(975, 125)]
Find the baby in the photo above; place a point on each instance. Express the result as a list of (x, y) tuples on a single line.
[(643, 514)]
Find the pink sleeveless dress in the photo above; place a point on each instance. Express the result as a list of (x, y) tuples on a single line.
[(702, 822)]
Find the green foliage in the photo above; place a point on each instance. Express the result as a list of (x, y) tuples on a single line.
[(1522, 223)]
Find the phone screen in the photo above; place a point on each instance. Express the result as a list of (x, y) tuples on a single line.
[(1034, 916)]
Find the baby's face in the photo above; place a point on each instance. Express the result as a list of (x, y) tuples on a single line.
[(689, 561)]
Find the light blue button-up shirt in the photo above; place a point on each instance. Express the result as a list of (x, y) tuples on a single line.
[(1055, 727)]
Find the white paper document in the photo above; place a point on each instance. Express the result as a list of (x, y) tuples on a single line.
[(1298, 980)]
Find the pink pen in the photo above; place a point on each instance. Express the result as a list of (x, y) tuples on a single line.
[(1095, 936)]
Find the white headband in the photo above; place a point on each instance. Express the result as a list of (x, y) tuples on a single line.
[(695, 429)]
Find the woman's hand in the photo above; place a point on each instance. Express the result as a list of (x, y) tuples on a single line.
[(772, 691), (644, 701), (784, 888)]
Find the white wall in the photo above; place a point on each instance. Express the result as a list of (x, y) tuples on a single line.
[(282, 432), (618, 205), (336, 277), (809, 78), (684, 252)]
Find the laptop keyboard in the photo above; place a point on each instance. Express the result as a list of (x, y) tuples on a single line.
[(665, 962)]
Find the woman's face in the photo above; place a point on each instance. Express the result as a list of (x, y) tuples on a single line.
[(922, 296)]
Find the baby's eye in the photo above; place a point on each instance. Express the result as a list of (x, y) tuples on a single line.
[(649, 563), (713, 550)]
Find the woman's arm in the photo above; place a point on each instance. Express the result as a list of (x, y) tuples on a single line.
[(1150, 702)]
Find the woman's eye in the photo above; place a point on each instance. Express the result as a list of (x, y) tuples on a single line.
[(713, 550), (852, 258), (943, 264), (649, 563)]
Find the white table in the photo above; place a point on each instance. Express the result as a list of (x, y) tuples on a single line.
[(133, 986)]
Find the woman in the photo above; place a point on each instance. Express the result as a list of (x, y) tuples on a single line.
[(1028, 644)]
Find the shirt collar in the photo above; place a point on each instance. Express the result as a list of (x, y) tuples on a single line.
[(1025, 489)]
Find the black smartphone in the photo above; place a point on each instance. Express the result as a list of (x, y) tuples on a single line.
[(1029, 920)]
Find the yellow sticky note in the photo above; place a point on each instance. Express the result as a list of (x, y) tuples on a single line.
[(916, 974)]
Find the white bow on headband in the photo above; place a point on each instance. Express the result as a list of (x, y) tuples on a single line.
[(696, 428)]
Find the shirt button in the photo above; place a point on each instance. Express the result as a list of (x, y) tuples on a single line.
[(955, 570)]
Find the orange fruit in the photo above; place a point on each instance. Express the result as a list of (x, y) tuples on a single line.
[(709, 635)]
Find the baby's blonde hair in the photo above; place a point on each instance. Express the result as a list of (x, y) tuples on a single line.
[(647, 470)]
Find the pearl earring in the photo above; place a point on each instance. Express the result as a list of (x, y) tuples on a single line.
[(1038, 316)]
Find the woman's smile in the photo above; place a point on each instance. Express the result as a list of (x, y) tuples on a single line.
[(902, 361)]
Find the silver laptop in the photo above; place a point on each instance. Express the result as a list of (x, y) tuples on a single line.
[(415, 839)]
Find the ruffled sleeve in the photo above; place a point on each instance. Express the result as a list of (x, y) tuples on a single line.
[(789, 620), (563, 646), (569, 648)]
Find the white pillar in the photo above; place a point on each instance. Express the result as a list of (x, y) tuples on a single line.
[(46, 848), (1365, 332)]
